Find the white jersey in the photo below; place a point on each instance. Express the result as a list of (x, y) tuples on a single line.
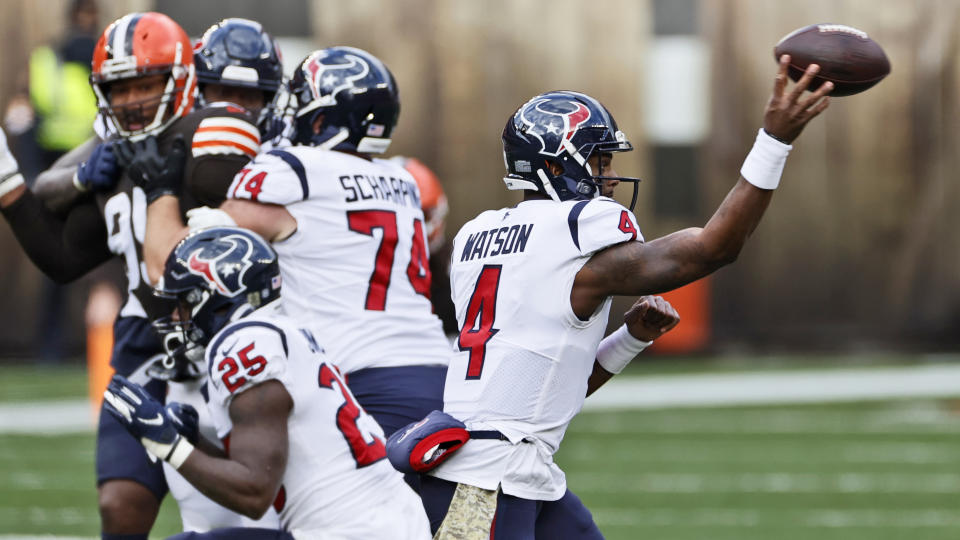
[(337, 483), (525, 357), (358, 261), (199, 513)]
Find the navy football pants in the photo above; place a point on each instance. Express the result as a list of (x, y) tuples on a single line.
[(397, 396), (516, 518), (119, 455)]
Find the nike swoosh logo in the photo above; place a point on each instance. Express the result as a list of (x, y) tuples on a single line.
[(412, 429), (157, 421)]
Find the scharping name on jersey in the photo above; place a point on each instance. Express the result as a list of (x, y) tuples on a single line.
[(504, 241), (361, 187)]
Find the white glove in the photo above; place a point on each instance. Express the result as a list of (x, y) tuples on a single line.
[(204, 217), (10, 177)]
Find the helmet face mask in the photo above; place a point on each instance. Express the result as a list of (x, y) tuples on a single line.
[(136, 114), (217, 275), (140, 45), (349, 95), (183, 357), (564, 128)]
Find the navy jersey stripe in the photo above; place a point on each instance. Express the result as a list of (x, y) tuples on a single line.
[(297, 167), (573, 221), (212, 349)]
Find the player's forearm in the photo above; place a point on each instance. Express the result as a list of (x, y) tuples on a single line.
[(164, 230), (55, 186), (271, 221), (231, 483), (724, 236), (598, 378), (56, 189), (63, 248), (209, 447)]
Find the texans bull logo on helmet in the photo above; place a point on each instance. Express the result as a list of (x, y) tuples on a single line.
[(226, 277), (327, 80), (552, 121)]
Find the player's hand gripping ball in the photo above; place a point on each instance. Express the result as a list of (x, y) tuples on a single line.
[(847, 57)]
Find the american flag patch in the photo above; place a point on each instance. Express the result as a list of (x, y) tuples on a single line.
[(224, 135), (275, 282), (375, 130)]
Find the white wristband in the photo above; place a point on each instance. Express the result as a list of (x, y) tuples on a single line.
[(174, 454), (76, 183), (764, 164), (618, 349), (10, 183), (181, 451)]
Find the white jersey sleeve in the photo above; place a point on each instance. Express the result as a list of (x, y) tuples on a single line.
[(600, 223), (243, 355), (276, 177)]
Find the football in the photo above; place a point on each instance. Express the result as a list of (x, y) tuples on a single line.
[(847, 57)]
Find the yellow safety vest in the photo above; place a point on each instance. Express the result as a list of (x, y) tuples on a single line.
[(62, 98)]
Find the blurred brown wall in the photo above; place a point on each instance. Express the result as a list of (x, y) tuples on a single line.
[(859, 246)]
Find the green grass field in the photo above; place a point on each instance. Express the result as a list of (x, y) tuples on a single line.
[(876, 470)]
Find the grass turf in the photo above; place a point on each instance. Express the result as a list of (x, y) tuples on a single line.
[(877, 470)]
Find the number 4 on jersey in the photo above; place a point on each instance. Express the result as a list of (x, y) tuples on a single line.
[(481, 312)]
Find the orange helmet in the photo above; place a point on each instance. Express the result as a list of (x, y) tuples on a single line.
[(432, 200), (138, 45)]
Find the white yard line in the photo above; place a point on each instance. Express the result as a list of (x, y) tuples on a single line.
[(42, 537), (793, 387), (47, 418), (631, 392)]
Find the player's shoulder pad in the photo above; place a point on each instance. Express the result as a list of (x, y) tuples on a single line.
[(278, 176), (479, 222), (251, 339), (598, 223), (221, 130)]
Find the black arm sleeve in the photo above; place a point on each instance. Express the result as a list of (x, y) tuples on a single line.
[(54, 186), (207, 178), (63, 248)]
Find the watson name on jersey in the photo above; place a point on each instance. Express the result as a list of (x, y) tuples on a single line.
[(524, 356)]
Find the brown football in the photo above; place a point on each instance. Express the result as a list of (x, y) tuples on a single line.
[(847, 57)]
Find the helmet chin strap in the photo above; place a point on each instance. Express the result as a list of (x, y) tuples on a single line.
[(547, 186), (330, 143), (241, 312), (572, 150)]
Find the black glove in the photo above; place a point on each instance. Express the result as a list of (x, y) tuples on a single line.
[(147, 167)]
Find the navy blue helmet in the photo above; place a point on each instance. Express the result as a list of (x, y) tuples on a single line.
[(565, 128), (239, 52), (355, 93), (217, 275)]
